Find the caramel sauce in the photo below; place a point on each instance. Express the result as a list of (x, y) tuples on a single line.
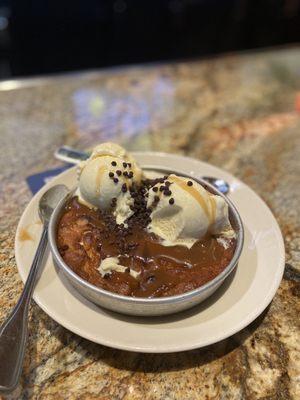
[(197, 196), (84, 238), (213, 208), (100, 173), (24, 235)]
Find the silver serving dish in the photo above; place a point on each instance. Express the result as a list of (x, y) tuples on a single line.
[(145, 306)]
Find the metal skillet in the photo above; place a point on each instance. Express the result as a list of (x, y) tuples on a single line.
[(148, 306)]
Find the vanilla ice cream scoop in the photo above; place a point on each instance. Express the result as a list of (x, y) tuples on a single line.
[(183, 212), (105, 179)]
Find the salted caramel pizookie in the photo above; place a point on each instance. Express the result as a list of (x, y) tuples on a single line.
[(142, 237)]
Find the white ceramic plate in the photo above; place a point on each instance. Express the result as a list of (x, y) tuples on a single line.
[(243, 296)]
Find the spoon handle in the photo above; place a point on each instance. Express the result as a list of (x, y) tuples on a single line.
[(73, 156), (70, 155), (13, 332)]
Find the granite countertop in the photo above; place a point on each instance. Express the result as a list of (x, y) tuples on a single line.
[(239, 112)]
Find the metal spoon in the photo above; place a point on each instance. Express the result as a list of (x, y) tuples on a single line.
[(73, 156), (13, 332)]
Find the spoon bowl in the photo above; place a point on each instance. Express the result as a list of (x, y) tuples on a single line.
[(49, 201)]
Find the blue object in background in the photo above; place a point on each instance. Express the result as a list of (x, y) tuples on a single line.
[(37, 181)]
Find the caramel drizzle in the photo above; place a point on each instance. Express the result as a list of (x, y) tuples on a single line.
[(210, 212), (100, 173), (213, 207), (104, 155), (24, 235)]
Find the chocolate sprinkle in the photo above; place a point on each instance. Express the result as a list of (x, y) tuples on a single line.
[(124, 164), (118, 172), (171, 201), (113, 163), (111, 174), (155, 189), (156, 199), (190, 183), (130, 175), (124, 188), (162, 188), (116, 180), (113, 202)]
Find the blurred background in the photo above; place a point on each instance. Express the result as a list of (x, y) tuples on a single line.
[(46, 36)]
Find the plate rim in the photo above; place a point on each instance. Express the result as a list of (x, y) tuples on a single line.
[(250, 317)]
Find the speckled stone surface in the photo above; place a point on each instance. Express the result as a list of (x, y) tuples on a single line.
[(239, 112)]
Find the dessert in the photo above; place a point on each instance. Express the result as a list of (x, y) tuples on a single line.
[(142, 237)]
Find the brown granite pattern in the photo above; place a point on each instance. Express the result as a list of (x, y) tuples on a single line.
[(240, 112)]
